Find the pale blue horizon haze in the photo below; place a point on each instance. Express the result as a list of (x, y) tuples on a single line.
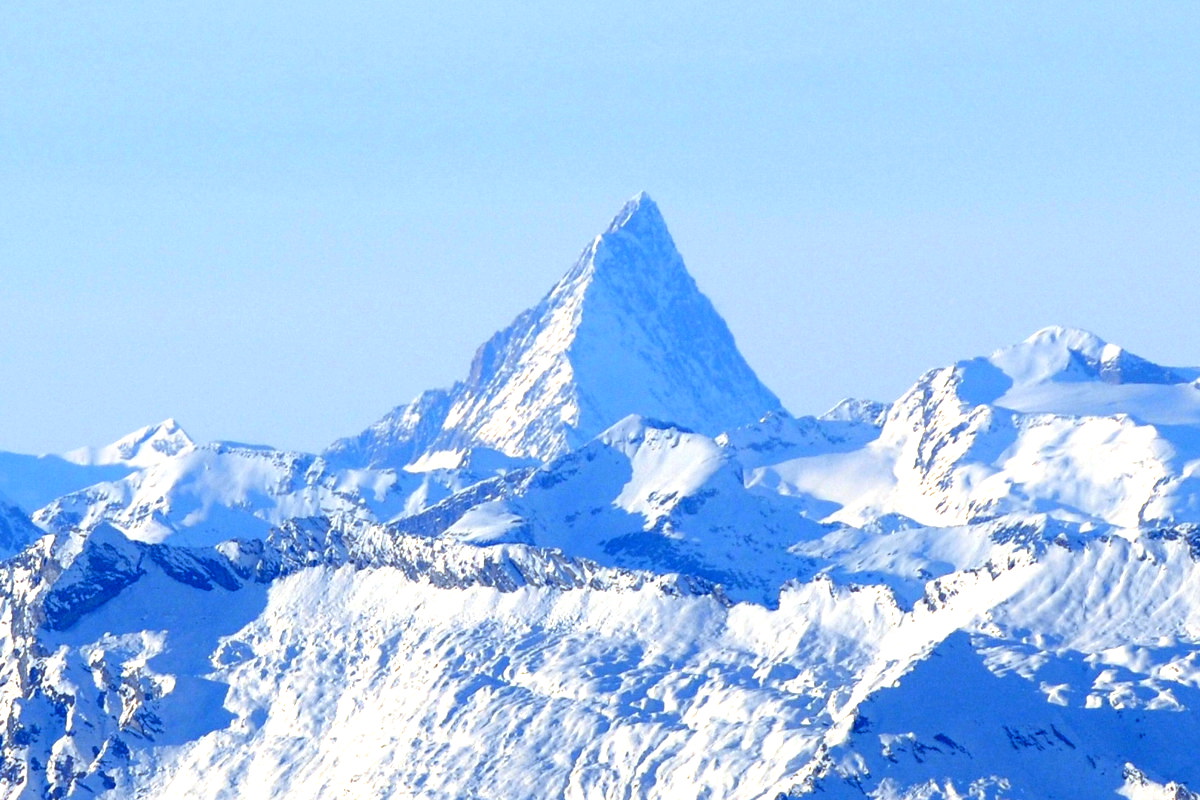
[(276, 222)]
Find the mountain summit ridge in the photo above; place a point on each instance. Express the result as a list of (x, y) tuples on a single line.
[(625, 331), (144, 447)]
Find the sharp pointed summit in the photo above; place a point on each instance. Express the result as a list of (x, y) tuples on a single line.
[(636, 248), (640, 218), (625, 331)]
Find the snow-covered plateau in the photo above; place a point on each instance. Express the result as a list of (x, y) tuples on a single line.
[(609, 564)]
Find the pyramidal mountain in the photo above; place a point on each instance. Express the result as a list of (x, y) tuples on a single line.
[(625, 331), (608, 563)]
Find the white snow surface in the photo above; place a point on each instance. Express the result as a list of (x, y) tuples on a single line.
[(1016, 673), (208, 494), (144, 447), (1061, 424)]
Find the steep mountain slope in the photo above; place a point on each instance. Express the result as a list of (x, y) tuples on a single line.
[(17, 530), (624, 332), (739, 508), (1065, 688)]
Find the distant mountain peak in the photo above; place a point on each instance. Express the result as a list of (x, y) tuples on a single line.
[(142, 448), (853, 409), (640, 216), (625, 331), (636, 249), (1074, 338), (1063, 353)]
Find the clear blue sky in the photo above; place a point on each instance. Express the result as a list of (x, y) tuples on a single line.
[(274, 221)]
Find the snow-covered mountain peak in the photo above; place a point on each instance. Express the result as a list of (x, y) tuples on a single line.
[(625, 331), (658, 612), (631, 432), (635, 258), (639, 217), (854, 409), (1076, 339), (1068, 371), (1066, 354), (142, 448)]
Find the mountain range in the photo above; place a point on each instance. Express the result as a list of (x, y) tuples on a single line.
[(608, 563)]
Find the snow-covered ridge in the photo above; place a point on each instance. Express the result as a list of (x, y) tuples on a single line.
[(1073, 372), (951, 450), (173, 671), (144, 447)]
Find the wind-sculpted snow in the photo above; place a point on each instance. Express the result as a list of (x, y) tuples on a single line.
[(171, 670), (535, 693), (141, 624), (1082, 684), (328, 661)]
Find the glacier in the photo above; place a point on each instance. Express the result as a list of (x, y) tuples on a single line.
[(609, 564)]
